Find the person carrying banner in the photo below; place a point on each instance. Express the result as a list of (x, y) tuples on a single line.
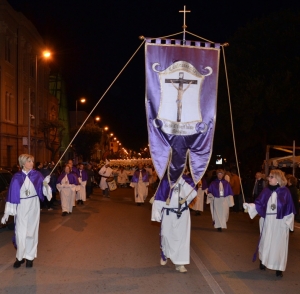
[(105, 172), (220, 198), (82, 179), (26, 189), (140, 183), (276, 209), (170, 207)]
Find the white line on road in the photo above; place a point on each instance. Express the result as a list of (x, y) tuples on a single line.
[(297, 227), (58, 226), (214, 286)]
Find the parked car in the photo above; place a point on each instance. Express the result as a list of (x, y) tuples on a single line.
[(5, 178)]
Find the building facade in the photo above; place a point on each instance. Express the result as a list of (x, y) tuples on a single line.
[(24, 88)]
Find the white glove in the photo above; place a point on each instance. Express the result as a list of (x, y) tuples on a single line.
[(4, 218), (47, 180), (246, 205)]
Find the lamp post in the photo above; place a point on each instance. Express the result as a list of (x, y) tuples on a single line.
[(82, 100), (46, 55)]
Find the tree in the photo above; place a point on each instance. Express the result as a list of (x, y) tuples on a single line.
[(85, 142), (263, 63), (53, 132)]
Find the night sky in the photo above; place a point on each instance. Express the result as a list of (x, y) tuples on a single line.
[(92, 40)]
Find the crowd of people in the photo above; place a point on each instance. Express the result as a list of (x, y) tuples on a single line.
[(274, 198)]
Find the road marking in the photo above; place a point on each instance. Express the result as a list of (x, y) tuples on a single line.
[(58, 226), (4, 267), (297, 227), (227, 274), (214, 286)]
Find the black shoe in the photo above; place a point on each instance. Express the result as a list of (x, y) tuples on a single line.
[(198, 212), (82, 202), (64, 213), (219, 229), (279, 274), (138, 204), (18, 263), (262, 267), (29, 263), (78, 202)]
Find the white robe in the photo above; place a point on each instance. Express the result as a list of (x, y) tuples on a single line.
[(197, 203), (140, 190), (219, 208), (27, 218), (81, 193), (175, 232), (122, 177), (273, 246), (67, 194), (104, 172)]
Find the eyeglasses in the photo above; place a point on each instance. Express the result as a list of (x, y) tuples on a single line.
[(271, 177)]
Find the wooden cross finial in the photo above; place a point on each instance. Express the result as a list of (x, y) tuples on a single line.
[(184, 15)]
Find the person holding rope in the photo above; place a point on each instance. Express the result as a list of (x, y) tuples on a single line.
[(26, 189), (171, 208), (276, 209), (220, 198)]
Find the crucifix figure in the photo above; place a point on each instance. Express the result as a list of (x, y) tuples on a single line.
[(180, 90)]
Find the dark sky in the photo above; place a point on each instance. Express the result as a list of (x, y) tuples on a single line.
[(92, 40)]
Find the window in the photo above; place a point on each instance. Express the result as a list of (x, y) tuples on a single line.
[(7, 49), (9, 106)]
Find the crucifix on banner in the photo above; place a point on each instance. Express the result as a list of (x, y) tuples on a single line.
[(180, 90)]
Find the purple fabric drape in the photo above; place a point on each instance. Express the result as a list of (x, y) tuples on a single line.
[(17, 181), (181, 96), (136, 176), (285, 205)]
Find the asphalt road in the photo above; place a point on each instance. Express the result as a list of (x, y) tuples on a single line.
[(111, 246)]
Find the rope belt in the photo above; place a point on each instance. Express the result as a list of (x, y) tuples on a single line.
[(176, 210), (29, 197)]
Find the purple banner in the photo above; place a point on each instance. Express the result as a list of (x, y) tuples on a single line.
[(181, 99)]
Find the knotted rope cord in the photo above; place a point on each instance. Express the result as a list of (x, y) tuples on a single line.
[(97, 105), (236, 158)]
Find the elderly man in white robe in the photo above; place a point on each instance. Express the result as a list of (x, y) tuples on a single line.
[(276, 208), (140, 183), (220, 198), (170, 207), (26, 189), (67, 184), (105, 172)]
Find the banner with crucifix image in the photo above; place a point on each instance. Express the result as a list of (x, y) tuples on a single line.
[(181, 98)]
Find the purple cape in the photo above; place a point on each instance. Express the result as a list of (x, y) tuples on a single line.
[(13, 195), (164, 189), (285, 205), (71, 177), (214, 188), (84, 175), (136, 175)]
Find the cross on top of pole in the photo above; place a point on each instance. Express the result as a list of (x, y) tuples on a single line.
[(184, 16)]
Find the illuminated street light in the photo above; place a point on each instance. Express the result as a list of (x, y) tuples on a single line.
[(45, 55), (105, 129), (81, 100)]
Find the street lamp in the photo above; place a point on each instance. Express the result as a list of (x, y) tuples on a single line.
[(97, 119), (45, 55), (82, 100)]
